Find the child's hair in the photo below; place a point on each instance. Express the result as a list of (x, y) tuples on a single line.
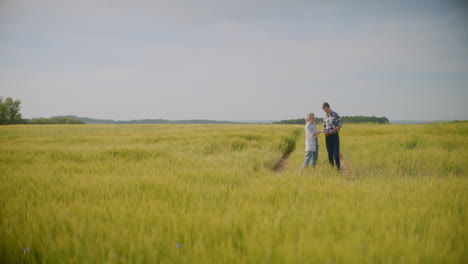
[(309, 117)]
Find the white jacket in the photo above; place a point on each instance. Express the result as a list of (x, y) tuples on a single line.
[(310, 140)]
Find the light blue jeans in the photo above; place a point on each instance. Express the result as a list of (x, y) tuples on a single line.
[(311, 157)]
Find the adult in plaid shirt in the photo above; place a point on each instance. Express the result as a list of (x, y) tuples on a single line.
[(331, 126)]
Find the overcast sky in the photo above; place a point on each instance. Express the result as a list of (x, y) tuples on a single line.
[(235, 60)]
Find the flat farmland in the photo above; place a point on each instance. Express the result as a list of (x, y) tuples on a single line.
[(209, 194)]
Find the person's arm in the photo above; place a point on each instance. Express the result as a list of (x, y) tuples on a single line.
[(337, 123), (326, 129), (335, 129), (313, 132)]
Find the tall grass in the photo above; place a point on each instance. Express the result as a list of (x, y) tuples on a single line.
[(207, 194)]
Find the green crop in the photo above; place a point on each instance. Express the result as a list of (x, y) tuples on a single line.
[(209, 194)]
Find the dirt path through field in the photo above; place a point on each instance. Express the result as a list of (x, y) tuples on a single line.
[(345, 168), (282, 164), (290, 146)]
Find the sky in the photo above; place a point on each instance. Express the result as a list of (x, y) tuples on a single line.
[(235, 60)]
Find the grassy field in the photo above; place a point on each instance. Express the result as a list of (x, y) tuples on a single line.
[(207, 194)]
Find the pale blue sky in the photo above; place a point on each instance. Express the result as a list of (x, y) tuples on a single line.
[(235, 60)]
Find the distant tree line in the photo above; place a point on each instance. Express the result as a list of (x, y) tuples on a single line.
[(10, 114), (344, 119), (88, 120), (364, 119), (299, 121), (54, 121)]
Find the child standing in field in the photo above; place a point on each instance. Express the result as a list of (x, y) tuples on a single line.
[(311, 142)]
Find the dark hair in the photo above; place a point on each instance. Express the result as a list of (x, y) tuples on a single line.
[(325, 105)]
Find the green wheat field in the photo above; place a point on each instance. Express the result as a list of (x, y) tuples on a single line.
[(208, 194)]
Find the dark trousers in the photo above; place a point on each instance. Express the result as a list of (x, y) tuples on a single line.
[(333, 149)]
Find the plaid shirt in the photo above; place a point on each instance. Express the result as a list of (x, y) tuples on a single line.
[(331, 121)]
